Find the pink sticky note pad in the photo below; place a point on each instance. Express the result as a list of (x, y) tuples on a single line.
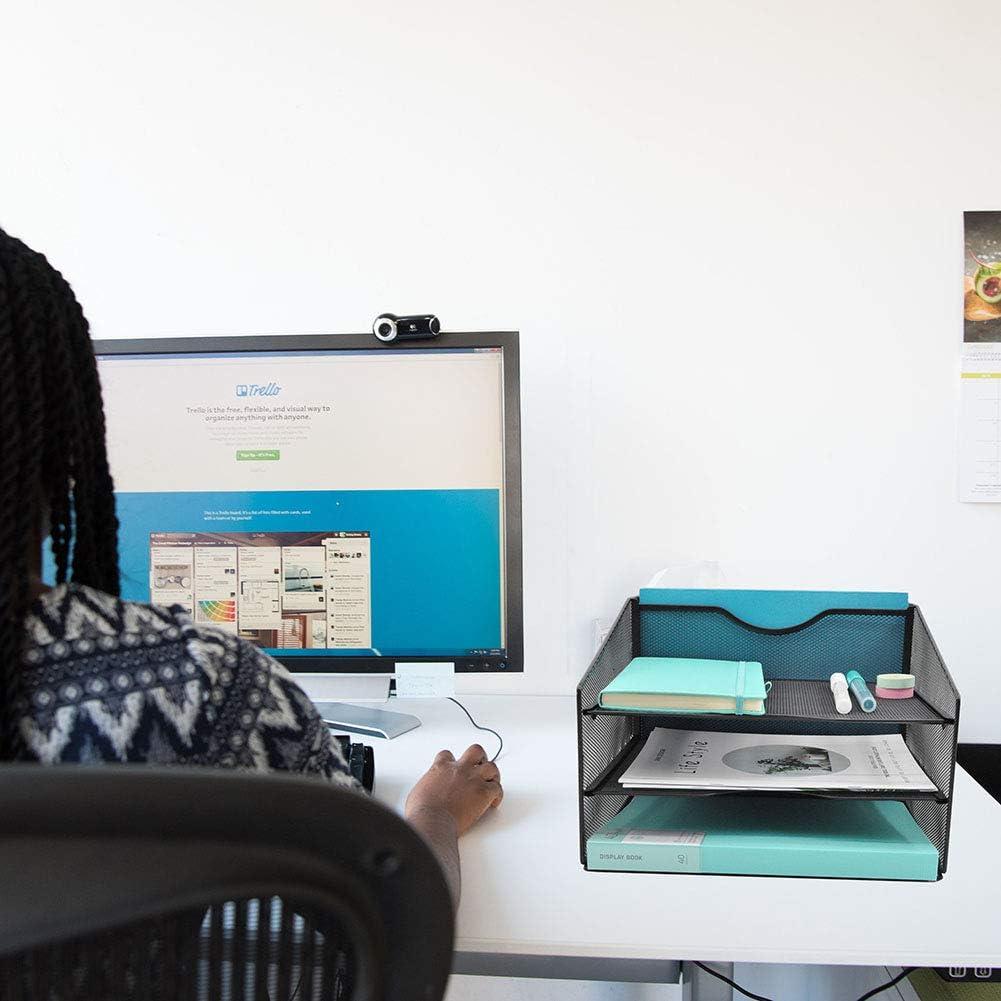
[(893, 693)]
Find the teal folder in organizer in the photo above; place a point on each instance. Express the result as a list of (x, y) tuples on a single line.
[(774, 609), (765, 836), (684, 685)]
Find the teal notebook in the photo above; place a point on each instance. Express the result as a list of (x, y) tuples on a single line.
[(765, 836), (682, 685)]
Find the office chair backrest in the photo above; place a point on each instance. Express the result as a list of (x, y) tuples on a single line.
[(137, 882)]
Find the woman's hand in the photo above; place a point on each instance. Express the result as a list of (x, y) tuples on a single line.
[(464, 789), (449, 798)]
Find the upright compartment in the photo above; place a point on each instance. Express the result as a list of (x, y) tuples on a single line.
[(799, 662)]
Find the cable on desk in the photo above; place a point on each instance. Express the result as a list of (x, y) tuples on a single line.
[(905, 972), (486, 729)]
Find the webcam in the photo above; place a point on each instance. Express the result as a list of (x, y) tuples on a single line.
[(388, 327)]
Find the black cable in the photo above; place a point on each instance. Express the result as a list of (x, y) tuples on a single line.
[(730, 983), (486, 729), (905, 972)]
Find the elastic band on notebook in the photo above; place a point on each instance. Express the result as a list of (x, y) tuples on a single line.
[(739, 703)]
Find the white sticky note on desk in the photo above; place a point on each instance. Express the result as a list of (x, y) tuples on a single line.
[(435, 680)]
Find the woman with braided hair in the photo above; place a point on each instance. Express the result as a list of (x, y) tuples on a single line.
[(87, 677)]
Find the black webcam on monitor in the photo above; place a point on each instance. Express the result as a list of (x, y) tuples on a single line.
[(388, 327)]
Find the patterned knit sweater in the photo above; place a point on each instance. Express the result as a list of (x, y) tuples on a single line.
[(105, 680)]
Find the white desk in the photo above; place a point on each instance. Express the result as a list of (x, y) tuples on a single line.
[(526, 896)]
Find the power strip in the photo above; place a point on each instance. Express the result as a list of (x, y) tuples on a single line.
[(969, 974)]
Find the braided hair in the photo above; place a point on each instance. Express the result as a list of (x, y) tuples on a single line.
[(53, 460)]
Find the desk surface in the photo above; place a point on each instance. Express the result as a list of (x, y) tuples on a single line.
[(524, 892)]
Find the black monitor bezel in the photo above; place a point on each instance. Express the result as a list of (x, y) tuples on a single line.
[(507, 341)]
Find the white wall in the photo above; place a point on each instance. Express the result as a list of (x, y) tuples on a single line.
[(729, 233)]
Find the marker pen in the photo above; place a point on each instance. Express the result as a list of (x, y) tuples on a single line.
[(839, 689), (862, 694)]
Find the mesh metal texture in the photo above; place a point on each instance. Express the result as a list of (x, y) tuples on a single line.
[(868, 642), (932, 678), (262, 949), (934, 747), (601, 738), (799, 662), (811, 700), (933, 819)]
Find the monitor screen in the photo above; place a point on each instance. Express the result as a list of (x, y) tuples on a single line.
[(340, 503)]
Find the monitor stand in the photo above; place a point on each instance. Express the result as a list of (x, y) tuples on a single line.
[(368, 720)]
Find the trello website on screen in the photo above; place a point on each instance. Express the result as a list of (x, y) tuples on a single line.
[(339, 503)]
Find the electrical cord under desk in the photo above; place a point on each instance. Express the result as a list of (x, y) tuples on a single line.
[(905, 972)]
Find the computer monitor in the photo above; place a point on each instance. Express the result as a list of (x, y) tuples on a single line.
[(342, 503)]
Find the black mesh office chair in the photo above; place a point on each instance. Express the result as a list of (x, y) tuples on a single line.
[(122, 882)]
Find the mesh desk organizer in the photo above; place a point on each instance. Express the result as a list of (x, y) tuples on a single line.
[(799, 662)]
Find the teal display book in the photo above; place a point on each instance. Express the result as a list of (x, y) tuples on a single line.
[(765, 836), (683, 685)]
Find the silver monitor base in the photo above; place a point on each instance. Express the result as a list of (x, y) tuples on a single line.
[(370, 722)]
